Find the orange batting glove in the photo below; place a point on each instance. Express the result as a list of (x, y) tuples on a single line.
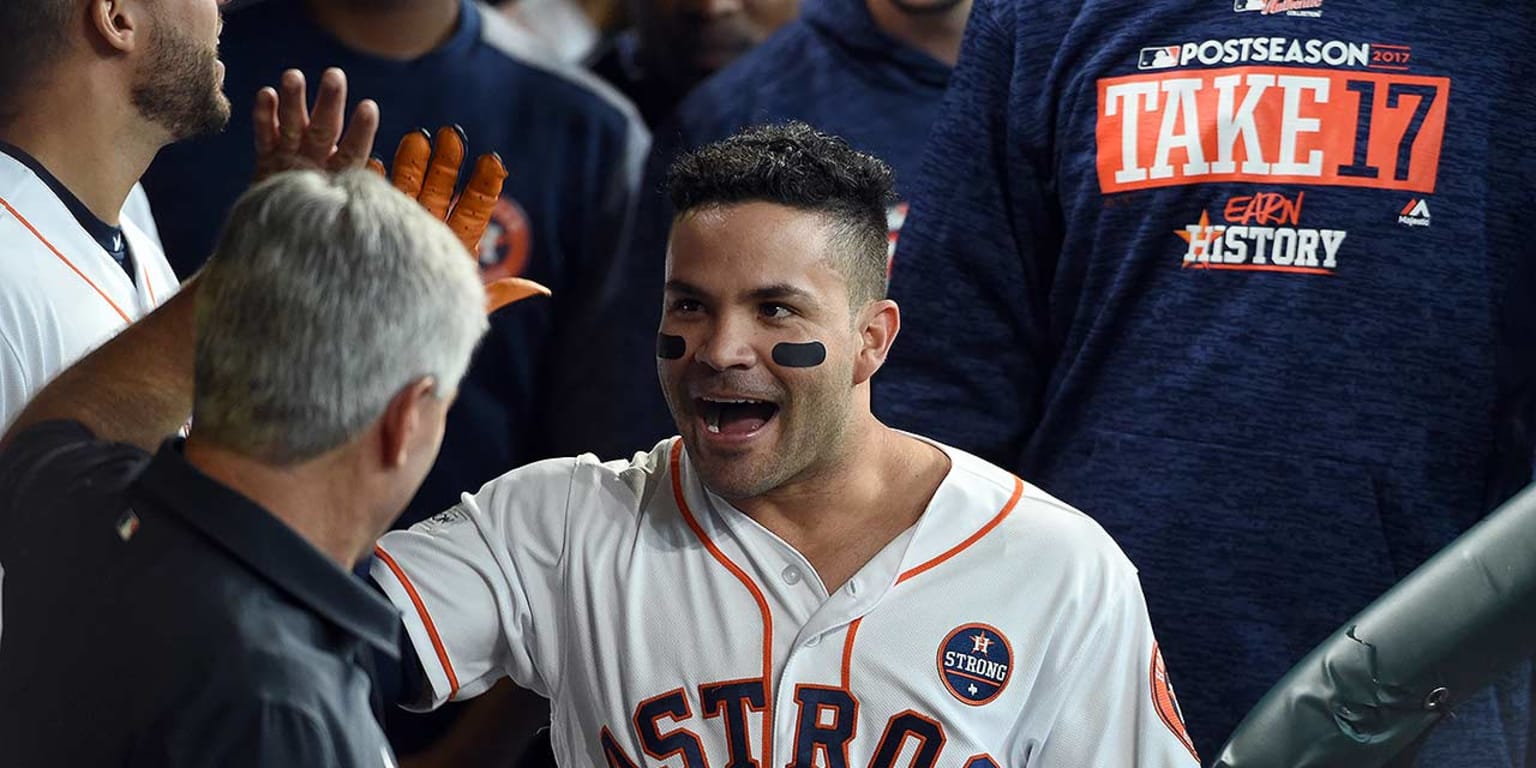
[(428, 174)]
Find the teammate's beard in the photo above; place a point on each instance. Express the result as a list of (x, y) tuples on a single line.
[(179, 86)]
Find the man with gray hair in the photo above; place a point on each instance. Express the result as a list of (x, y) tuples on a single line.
[(200, 599)]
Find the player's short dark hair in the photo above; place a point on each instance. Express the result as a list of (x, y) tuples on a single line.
[(795, 165), (36, 34)]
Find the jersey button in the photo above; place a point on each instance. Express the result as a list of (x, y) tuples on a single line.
[(791, 575), (853, 587), (813, 642)]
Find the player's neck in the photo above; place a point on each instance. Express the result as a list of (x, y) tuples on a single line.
[(388, 29), (92, 140), (936, 34), (316, 498), (842, 514)]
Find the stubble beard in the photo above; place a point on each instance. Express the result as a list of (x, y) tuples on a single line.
[(179, 89)]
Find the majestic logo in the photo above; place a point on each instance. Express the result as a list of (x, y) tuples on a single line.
[(505, 246), (1415, 213), (975, 662), (450, 516), (1287, 7), (1261, 234), (1166, 704)]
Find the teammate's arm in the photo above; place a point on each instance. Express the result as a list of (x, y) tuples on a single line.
[(974, 262)]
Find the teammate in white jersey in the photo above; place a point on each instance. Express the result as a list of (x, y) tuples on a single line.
[(789, 583), (89, 92)]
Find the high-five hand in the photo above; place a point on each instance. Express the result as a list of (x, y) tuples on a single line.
[(290, 136), (428, 170)]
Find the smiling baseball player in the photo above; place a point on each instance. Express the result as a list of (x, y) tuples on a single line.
[(789, 582)]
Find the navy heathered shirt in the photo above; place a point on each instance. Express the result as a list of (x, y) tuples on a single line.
[(832, 68), (574, 151), (1253, 284)]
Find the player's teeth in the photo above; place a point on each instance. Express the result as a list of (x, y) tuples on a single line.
[(712, 420)]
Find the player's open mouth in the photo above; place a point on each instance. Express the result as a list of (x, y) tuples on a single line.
[(736, 417)]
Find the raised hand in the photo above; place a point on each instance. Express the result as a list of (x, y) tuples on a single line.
[(291, 136), (428, 171)]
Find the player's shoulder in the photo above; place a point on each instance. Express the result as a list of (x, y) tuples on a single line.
[(1025, 518), (632, 480), (585, 481)]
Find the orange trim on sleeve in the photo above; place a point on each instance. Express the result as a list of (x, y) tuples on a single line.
[(426, 618), (67, 262), (746, 581), (1018, 491)]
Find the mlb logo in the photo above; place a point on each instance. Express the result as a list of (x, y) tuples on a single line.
[(1240, 6), (1159, 57)]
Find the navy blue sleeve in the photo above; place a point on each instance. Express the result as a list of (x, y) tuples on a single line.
[(46, 462), (975, 260), (32, 449)]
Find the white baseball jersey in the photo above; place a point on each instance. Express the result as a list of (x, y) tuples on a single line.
[(669, 628), (61, 293)]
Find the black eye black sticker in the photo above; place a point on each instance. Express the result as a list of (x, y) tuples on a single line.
[(669, 347), (807, 355)]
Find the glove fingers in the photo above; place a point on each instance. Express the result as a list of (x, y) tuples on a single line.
[(377, 166), (472, 213), (507, 290), (443, 171), (411, 162)]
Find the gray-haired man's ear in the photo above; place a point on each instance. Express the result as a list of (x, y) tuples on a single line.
[(403, 419)]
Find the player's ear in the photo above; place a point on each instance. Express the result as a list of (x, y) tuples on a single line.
[(403, 419), (118, 25), (878, 323)]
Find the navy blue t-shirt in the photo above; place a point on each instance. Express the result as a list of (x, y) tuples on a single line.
[(832, 68), (574, 151), (1251, 284)]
